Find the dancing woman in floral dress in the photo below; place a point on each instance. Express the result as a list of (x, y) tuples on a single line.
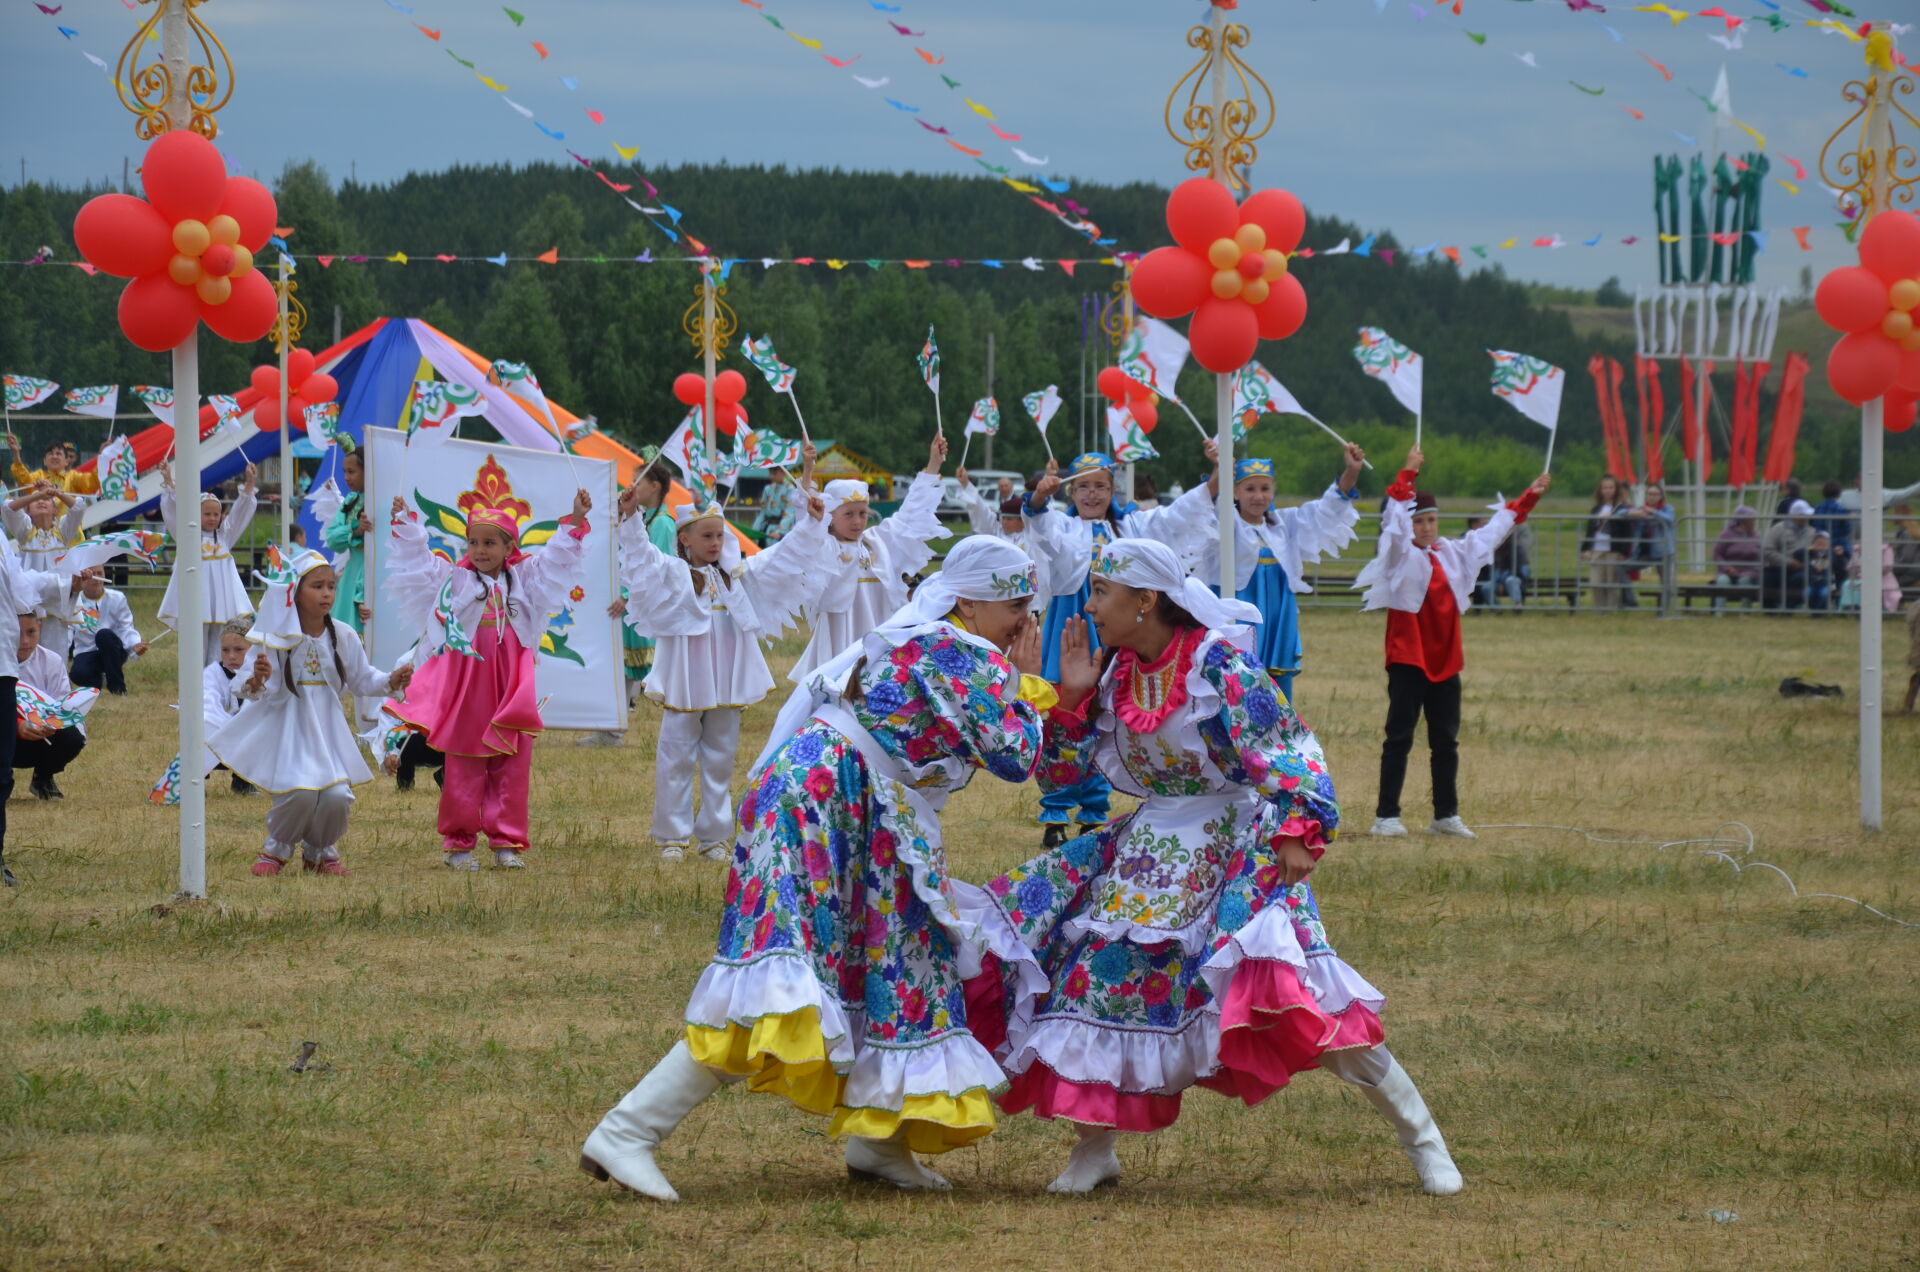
[(1181, 943), (844, 946)]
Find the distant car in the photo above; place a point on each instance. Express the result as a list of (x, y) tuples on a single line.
[(986, 481)]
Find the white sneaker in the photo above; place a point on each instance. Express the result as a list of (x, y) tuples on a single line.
[(672, 852), (508, 859), (1450, 826), (461, 861), (717, 852), (1388, 826)]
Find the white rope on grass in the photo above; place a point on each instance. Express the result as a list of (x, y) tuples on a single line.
[(1715, 847)]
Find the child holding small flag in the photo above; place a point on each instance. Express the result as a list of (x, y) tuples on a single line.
[(474, 695), (56, 469), (1426, 583), (290, 738), (104, 637), (707, 608), (223, 595), (43, 532)]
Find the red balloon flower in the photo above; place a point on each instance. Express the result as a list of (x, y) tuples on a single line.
[(729, 387), (1877, 303), (188, 246), (305, 387), (1229, 271)]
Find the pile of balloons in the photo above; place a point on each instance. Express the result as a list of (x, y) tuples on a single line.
[(188, 246), (1877, 303), (1229, 270), (729, 387), (1122, 389), (305, 387)]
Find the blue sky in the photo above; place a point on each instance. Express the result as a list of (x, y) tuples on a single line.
[(1395, 121)]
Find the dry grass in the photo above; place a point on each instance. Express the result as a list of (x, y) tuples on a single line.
[(1616, 1039)]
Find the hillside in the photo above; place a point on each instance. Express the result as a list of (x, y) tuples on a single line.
[(606, 338)]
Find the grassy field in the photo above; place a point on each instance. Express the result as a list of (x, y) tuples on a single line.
[(1617, 1039)]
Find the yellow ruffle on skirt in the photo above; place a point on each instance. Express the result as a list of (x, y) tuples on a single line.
[(787, 1055)]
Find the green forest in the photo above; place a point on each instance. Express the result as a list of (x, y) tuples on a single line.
[(605, 334)]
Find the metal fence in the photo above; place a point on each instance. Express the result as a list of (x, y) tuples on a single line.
[(1548, 566)]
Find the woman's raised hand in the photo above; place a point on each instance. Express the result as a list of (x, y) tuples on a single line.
[(1079, 662)]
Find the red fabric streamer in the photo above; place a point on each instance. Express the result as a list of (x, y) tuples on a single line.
[(1698, 442), (1653, 416), (1597, 368), (1744, 450), (1615, 375), (1787, 411)]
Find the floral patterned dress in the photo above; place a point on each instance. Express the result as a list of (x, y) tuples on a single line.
[(844, 946), (1175, 955)]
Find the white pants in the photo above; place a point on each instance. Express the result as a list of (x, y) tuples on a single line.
[(316, 818), (706, 741)]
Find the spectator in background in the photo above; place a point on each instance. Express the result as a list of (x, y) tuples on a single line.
[(1820, 597), (1004, 488), (1511, 570), (1609, 538), (1789, 495), (1905, 542), (1832, 517), (1483, 581), (1783, 558), (1655, 547), (772, 521), (1736, 557), (1145, 494)]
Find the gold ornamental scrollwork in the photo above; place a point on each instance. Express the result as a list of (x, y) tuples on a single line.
[(146, 89), (1853, 167), (294, 329), (1243, 118), (1113, 316), (719, 337)]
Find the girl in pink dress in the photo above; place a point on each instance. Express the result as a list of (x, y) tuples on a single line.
[(473, 696)]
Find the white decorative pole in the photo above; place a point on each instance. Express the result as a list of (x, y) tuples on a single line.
[(190, 574), (1224, 510), (1879, 152), (285, 341)]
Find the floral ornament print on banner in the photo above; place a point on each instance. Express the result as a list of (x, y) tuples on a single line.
[(23, 391)]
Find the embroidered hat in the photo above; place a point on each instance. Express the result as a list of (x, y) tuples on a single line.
[(846, 490), (1149, 564), (1088, 465), (688, 513), (277, 622), (500, 519), (1252, 468)]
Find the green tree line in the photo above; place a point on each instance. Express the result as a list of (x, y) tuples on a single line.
[(607, 338)]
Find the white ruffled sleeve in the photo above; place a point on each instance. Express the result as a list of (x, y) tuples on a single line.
[(546, 576), (1314, 530), (238, 518), (170, 511), (786, 577), (1056, 549), (910, 531), (414, 575), (661, 600), (1397, 576), (982, 519)]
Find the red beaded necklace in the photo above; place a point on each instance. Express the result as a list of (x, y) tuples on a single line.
[(1145, 694)]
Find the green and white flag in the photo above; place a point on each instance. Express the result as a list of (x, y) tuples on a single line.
[(1257, 393), (929, 361), (1128, 439), (1154, 354), (119, 475), (760, 353), (99, 400), (434, 402), (1042, 405), (158, 399), (1392, 363), (687, 451), (226, 414), (1530, 385), (766, 449), (518, 377), (323, 424), (985, 418), (23, 391)]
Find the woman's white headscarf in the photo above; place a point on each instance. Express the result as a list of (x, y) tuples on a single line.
[(1151, 565), (981, 567)]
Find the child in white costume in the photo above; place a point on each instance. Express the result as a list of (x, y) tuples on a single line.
[(223, 595), (864, 574), (291, 738), (707, 607), (43, 531)]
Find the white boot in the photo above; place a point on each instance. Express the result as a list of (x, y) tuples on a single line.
[(621, 1147), (1092, 1164), (889, 1161), (1389, 1089)]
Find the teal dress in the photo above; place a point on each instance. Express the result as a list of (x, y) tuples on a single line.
[(344, 539)]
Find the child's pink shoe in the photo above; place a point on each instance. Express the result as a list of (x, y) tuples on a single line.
[(265, 865)]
